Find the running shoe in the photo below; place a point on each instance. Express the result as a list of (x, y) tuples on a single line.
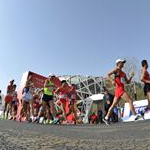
[(34, 120), (55, 121), (46, 122), (106, 121), (41, 120), (50, 122), (11, 118), (37, 120), (137, 118)]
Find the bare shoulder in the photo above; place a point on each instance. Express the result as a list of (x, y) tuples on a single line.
[(113, 71), (144, 71)]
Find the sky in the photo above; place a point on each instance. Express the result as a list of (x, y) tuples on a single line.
[(68, 37)]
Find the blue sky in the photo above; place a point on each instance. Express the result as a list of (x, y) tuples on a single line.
[(70, 36)]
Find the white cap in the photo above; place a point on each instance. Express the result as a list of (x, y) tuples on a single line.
[(120, 60), (51, 74)]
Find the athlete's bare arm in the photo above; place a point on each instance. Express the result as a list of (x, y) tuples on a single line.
[(58, 90), (109, 76), (46, 83), (129, 80), (40, 91), (22, 90)]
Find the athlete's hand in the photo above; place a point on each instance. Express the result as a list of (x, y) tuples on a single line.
[(132, 74)]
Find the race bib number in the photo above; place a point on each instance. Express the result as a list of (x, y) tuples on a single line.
[(64, 96), (123, 80)]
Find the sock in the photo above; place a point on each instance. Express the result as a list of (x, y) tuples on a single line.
[(106, 118)]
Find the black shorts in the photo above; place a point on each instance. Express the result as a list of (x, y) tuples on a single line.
[(146, 89), (47, 98)]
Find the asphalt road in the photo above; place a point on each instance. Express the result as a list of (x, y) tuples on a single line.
[(15, 135)]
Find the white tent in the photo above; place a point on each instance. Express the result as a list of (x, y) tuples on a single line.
[(88, 104)]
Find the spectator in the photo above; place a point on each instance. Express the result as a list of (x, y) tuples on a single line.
[(8, 99), (115, 115), (100, 116), (93, 119), (63, 95), (108, 100)]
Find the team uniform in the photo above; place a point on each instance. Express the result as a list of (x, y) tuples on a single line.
[(120, 82), (27, 99), (48, 93), (9, 96), (27, 94), (63, 95), (48, 96)]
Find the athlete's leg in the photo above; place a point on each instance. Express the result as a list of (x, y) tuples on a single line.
[(63, 105), (5, 109), (52, 108), (45, 108), (115, 102), (126, 97), (31, 108), (75, 110)]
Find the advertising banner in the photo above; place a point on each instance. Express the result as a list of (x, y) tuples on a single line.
[(139, 107)]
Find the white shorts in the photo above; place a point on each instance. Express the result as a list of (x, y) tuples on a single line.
[(27, 97)]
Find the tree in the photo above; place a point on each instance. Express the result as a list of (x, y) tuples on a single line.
[(132, 65)]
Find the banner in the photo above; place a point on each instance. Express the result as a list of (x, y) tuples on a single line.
[(38, 81), (139, 107)]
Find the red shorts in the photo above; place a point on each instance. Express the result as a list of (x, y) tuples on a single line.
[(63, 100), (119, 91), (8, 98)]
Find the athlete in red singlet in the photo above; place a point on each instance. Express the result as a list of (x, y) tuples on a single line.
[(119, 81), (8, 98), (63, 95), (145, 78), (73, 103)]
